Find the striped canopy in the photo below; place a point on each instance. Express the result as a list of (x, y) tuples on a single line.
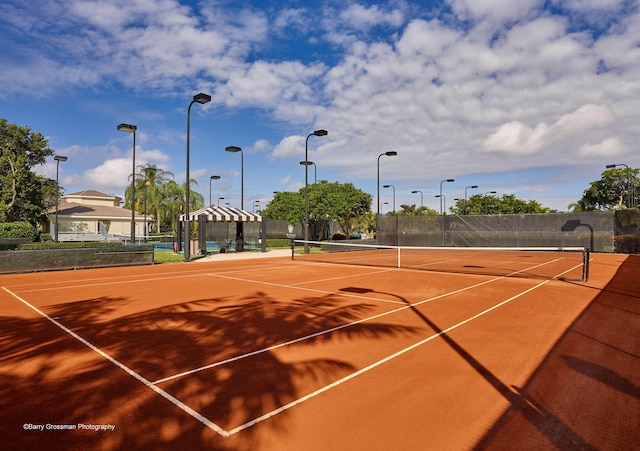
[(223, 214)]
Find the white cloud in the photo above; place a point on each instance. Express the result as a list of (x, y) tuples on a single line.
[(362, 18), (516, 137), (495, 10), (609, 147), (113, 174), (290, 146)]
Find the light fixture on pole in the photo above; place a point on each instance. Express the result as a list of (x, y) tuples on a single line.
[(146, 183), (444, 219), (319, 132), (465, 197), (421, 198), (449, 181), (391, 153), (234, 149), (211, 179), (315, 169), (58, 159), (486, 202), (613, 166), (200, 98), (132, 129), (239, 225), (394, 195)]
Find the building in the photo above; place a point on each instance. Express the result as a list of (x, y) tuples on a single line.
[(91, 215)]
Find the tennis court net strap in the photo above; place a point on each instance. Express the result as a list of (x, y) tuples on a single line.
[(570, 263)]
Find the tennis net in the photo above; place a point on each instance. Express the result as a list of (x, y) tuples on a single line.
[(567, 263)]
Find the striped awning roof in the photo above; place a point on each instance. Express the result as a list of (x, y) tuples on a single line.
[(223, 214)]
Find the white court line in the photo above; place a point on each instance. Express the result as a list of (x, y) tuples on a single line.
[(375, 364), (326, 331), (162, 276), (213, 426), (210, 424)]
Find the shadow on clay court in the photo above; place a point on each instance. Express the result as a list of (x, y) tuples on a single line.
[(554, 429), (586, 379), (163, 342)]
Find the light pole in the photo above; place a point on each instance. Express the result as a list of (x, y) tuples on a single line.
[(465, 197), (421, 198), (394, 195), (319, 132), (146, 183), (443, 199), (200, 98), (486, 202), (132, 129), (612, 166), (219, 199), (391, 153), (449, 181), (315, 169), (234, 149), (239, 225), (58, 159), (211, 179)]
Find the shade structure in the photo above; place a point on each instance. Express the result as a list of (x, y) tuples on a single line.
[(223, 214)]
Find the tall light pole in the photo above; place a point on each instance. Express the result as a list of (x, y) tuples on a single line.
[(391, 153), (239, 225), (58, 159), (449, 181), (443, 199), (319, 132), (132, 129), (421, 198), (394, 195), (612, 166), (200, 98), (465, 197), (234, 149), (315, 169), (146, 183), (211, 179), (486, 203)]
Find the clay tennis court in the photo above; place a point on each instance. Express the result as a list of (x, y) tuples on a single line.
[(274, 354)]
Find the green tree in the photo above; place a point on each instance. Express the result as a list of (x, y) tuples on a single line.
[(611, 191), (24, 196), (479, 204), (152, 178), (412, 210), (342, 202)]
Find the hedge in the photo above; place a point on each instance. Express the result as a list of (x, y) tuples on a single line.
[(17, 230)]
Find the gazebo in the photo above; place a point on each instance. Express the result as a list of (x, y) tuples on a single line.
[(221, 214)]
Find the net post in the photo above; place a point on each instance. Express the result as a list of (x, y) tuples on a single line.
[(585, 264), (398, 257)]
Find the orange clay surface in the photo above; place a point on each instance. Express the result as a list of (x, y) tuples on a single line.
[(274, 354)]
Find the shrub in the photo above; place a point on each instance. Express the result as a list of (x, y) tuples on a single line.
[(17, 230)]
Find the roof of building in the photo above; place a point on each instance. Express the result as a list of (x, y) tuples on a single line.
[(92, 193), (75, 209)]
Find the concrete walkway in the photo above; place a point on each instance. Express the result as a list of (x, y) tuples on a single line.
[(245, 255)]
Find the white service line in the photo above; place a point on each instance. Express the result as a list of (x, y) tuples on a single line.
[(210, 424), (404, 306), (375, 364)]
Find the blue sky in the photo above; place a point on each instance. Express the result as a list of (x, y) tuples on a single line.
[(531, 98)]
